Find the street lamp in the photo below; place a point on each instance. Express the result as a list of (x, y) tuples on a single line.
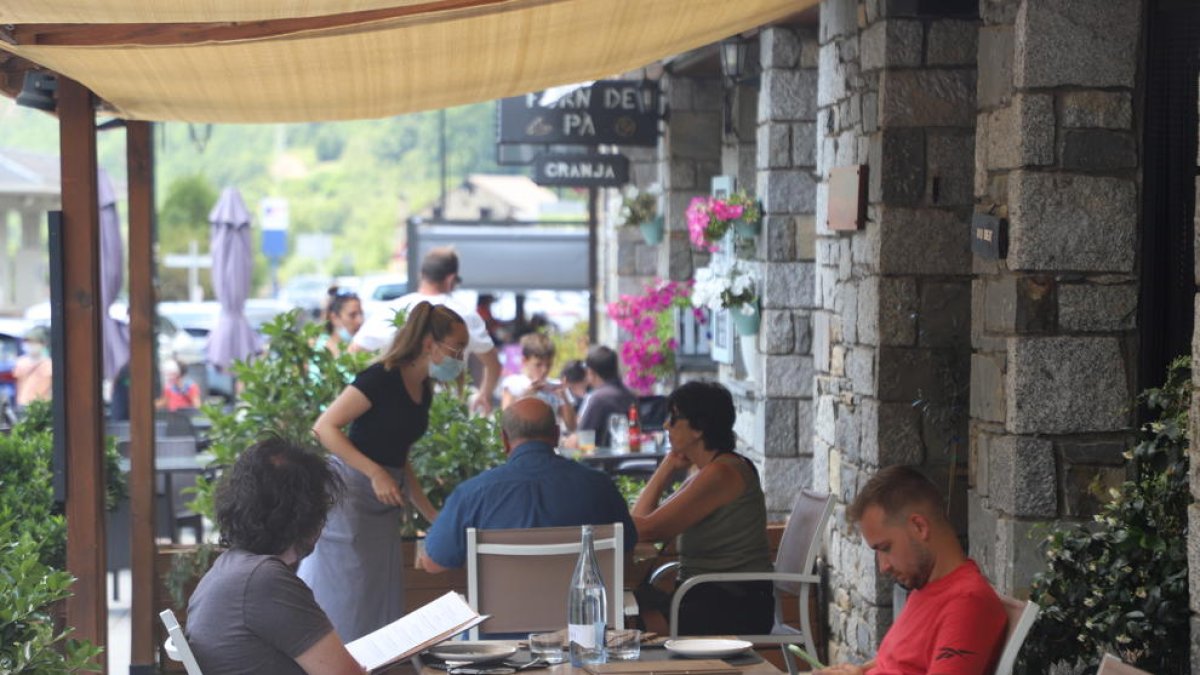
[(734, 53)]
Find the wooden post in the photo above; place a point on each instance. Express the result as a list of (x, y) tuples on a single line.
[(80, 359), (139, 141)]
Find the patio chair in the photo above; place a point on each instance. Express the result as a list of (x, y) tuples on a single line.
[(520, 577), (1111, 665), (174, 484), (793, 575), (176, 644), (1021, 615)]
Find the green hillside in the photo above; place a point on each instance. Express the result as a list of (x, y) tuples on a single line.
[(356, 181)]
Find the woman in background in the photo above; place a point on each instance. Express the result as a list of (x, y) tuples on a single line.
[(343, 318), (355, 570)]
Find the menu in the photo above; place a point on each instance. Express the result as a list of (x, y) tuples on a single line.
[(416, 631)]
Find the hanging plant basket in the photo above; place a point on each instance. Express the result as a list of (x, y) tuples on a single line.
[(745, 323), (747, 229), (652, 230)]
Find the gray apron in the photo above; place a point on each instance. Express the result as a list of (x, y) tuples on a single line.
[(356, 570)]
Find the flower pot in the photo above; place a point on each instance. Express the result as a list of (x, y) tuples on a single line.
[(749, 345), (747, 229), (745, 323), (652, 230)]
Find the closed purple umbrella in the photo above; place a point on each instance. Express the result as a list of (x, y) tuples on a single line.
[(232, 263), (112, 263)]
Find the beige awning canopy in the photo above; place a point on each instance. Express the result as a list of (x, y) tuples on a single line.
[(291, 61)]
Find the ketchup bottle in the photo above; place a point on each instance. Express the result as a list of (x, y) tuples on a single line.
[(635, 430)]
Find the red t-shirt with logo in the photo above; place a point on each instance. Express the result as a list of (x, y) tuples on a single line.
[(953, 626)]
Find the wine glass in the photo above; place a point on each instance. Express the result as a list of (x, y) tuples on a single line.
[(618, 432)]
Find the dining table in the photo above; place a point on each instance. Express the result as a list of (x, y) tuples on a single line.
[(609, 459)]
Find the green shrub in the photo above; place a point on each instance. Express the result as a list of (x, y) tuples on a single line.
[(1121, 585)]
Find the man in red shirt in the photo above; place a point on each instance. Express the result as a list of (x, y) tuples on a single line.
[(953, 622)]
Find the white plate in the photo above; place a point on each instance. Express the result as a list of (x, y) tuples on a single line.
[(472, 652), (704, 648)]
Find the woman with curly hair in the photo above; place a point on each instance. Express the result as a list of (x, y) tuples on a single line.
[(719, 515), (251, 613), (355, 571)]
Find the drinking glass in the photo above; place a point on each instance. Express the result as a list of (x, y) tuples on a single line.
[(623, 645), (618, 432), (587, 440), (547, 647)]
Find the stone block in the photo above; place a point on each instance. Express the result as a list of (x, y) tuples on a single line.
[(773, 146), (780, 427), (1021, 134), (779, 47), (1097, 308), (981, 533), (987, 387), (1021, 475), (922, 241), (927, 98), (825, 286), (820, 341), (977, 458), (695, 135), (787, 191), (787, 285), (833, 75), (1071, 222), (952, 43), (787, 95), (777, 332), (1077, 42), (847, 308), (678, 92), (998, 11), (1085, 488), (804, 144), (777, 242), (921, 377), (806, 237), (1193, 553), (891, 44), (781, 478), (944, 319), (788, 375), (1066, 385), (949, 170), (860, 369), (825, 418), (1020, 304), (897, 311), (1098, 150), (1018, 555), (897, 167), (802, 324), (995, 85), (839, 18), (1095, 109), (847, 431), (708, 95), (627, 264), (1094, 452), (891, 434)]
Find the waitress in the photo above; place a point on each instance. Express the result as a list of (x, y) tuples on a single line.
[(355, 570)]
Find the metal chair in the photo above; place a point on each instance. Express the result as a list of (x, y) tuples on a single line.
[(1021, 615), (1111, 665), (176, 644), (793, 575), (174, 486), (521, 577)]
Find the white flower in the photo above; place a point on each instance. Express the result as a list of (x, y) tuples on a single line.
[(725, 276)]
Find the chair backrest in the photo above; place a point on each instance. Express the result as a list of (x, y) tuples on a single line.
[(177, 645), (652, 412), (177, 423), (1021, 615), (521, 577), (1111, 665), (801, 541)]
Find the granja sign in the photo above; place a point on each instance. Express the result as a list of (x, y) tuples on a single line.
[(588, 170)]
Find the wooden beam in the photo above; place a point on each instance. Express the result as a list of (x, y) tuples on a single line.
[(80, 360), (161, 34), (139, 141)]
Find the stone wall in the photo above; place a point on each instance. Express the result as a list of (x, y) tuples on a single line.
[(1053, 325), (891, 335)]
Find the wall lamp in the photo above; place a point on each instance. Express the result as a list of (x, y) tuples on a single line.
[(735, 54), (37, 91)]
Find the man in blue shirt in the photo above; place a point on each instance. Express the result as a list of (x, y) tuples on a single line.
[(535, 488)]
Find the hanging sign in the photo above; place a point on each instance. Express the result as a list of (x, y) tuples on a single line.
[(607, 112), (588, 170)]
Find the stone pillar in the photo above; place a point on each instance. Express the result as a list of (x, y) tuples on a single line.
[(891, 338), (31, 266), (1052, 325), (786, 185)]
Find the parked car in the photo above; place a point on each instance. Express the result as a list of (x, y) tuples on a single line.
[(376, 290), (306, 291)]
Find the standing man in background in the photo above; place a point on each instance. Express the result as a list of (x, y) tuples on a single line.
[(439, 277)]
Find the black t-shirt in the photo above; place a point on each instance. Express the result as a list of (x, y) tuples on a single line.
[(608, 399), (394, 422)]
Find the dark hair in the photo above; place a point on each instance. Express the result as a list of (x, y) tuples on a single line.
[(423, 319), (439, 263), (573, 371), (603, 362), (537, 345), (338, 297), (275, 495), (897, 490), (708, 408)]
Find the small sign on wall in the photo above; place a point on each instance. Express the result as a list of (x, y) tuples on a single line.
[(847, 198), (989, 236), (722, 337)]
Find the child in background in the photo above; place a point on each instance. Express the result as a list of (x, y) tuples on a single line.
[(574, 376), (179, 392), (537, 352)]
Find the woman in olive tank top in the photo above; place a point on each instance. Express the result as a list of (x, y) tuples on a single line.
[(718, 513)]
